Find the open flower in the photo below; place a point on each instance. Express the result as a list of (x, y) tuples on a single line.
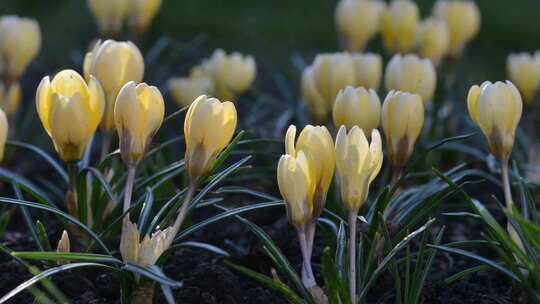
[(147, 252), (110, 15), (10, 97), (208, 128), (411, 74), (357, 22), (141, 13), (138, 114), (20, 40), (524, 71), (114, 64), (70, 111), (4, 126), (358, 163), (399, 26), (318, 146), (357, 107), (402, 121), (463, 20), (496, 108), (433, 40)]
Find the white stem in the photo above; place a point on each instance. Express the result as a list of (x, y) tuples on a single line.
[(182, 214), (308, 279), (506, 183), (129, 187), (352, 256)]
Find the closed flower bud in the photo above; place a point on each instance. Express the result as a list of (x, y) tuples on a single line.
[(114, 64), (368, 70), (232, 74), (20, 40), (433, 40), (496, 108), (358, 163), (296, 186), (4, 126), (322, 81), (402, 121), (10, 98), (357, 107), (110, 15), (64, 245), (463, 20), (138, 114), (411, 74), (208, 128), (524, 71), (141, 14), (357, 22), (147, 252), (399, 25), (186, 89), (70, 111), (318, 147)]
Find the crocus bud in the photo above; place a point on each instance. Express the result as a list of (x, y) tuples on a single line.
[(114, 64), (109, 15), (70, 111), (496, 108), (20, 40), (368, 70), (64, 245), (433, 40), (357, 107), (4, 126), (296, 186), (10, 98), (141, 14), (399, 25), (321, 82), (524, 71), (138, 114), (208, 128), (147, 252), (463, 20), (185, 90), (232, 74), (357, 22), (358, 163), (411, 74), (402, 121), (318, 146)]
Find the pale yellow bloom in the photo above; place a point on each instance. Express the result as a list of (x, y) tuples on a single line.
[(4, 126), (399, 26), (496, 108), (110, 15), (141, 13), (10, 98), (368, 70), (463, 20), (232, 74), (114, 64), (318, 147), (138, 114), (70, 111), (20, 40), (411, 74), (208, 128), (433, 39), (524, 71), (402, 121), (147, 252), (357, 107), (185, 90), (357, 22), (358, 163), (297, 187)]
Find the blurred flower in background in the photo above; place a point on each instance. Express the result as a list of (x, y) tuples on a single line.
[(399, 25), (357, 22)]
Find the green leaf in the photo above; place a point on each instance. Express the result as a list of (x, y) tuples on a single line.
[(205, 246), (465, 273), (146, 209), (225, 154), (43, 238), (66, 256), (54, 164), (151, 273), (268, 282), (27, 218)]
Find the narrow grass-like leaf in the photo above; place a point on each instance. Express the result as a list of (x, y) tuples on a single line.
[(54, 164), (205, 246), (27, 217), (225, 154), (63, 256), (152, 274), (465, 273), (146, 210)]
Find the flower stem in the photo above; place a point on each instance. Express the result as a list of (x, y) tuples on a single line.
[(129, 188), (183, 212), (506, 183), (106, 141), (71, 194), (352, 256), (308, 279)]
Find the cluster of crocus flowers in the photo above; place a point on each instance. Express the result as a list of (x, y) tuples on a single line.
[(358, 21), (399, 25), (411, 74), (111, 15), (524, 71), (462, 19), (223, 75), (330, 73)]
